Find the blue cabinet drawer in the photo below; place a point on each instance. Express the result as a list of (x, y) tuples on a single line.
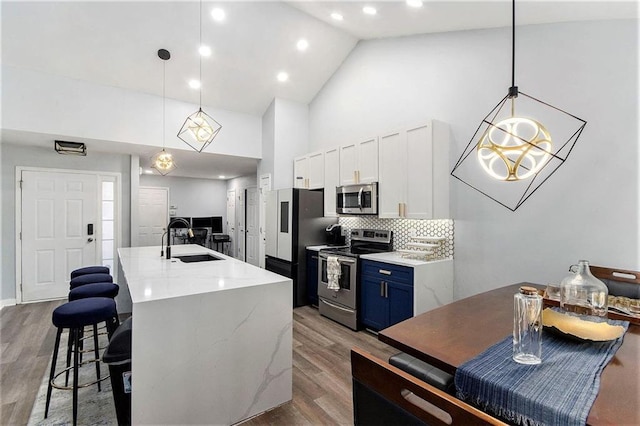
[(387, 271)]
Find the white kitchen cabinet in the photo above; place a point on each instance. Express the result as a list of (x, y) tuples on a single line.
[(359, 162), (331, 180), (308, 171), (414, 173)]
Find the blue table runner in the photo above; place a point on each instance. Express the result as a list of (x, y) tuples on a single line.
[(559, 391)]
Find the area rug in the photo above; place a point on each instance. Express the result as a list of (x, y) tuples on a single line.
[(94, 408)]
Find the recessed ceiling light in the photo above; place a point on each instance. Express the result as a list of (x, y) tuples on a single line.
[(149, 172), (204, 50), (218, 14), (302, 45), (369, 10), (283, 76), (414, 3), (221, 177), (337, 16), (194, 84)]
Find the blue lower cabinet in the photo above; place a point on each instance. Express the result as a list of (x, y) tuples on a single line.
[(374, 306), (400, 297), (312, 277), (386, 294)]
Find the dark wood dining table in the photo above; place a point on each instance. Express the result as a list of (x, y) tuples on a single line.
[(455, 333)]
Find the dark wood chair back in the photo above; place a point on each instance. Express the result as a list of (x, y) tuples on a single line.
[(621, 282), (384, 394)]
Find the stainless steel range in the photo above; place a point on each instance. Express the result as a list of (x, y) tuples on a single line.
[(342, 305)]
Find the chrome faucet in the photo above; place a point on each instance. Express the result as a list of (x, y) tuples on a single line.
[(167, 232)]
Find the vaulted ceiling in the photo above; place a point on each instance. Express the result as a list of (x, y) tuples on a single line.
[(115, 43)]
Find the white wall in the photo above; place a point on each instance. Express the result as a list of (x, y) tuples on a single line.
[(65, 106), (14, 155), (192, 197), (285, 135), (588, 210), (242, 182)]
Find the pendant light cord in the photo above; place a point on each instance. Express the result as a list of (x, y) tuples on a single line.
[(164, 100), (200, 54), (513, 90)]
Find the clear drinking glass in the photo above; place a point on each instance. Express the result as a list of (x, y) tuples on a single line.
[(527, 326)]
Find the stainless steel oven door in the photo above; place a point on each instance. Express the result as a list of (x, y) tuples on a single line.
[(347, 294)]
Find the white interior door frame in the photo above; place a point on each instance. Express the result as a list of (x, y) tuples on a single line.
[(18, 222), (264, 186)]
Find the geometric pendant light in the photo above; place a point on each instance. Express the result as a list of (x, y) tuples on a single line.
[(163, 160), (199, 129), (518, 145)]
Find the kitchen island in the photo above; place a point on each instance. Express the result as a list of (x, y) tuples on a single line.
[(212, 340)]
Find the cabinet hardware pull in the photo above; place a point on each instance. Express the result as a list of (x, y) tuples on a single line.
[(336, 306), (358, 174), (384, 272), (314, 257), (399, 209), (382, 289), (355, 176), (426, 406), (386, 290)]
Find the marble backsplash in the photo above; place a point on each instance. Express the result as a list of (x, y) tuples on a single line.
[(404, 229)]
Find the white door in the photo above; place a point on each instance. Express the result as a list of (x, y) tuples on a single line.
[(253, 236), (57, 210), (265, 187), (241, 225), (231, 220), (153, 208)]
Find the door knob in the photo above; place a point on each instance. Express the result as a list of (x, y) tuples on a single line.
[(89, 240)]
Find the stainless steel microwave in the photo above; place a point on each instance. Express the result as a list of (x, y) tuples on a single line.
[(357, 199)]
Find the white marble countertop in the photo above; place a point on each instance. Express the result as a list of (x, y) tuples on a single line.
[(396, 258), (151, 277)]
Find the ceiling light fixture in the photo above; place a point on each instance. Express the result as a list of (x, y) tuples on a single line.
[(336, 16), (70, 148), (283, 76), (199, 129), (414, 3), (163, 160), (369, 10), (302, 45), (515, 151), (204, 50), (218, 14), (221, 176)]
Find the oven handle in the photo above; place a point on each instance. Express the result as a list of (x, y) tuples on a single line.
[(340, 260), (336, 306)]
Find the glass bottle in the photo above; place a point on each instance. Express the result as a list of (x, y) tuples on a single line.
[(583, 294), (527, 326)]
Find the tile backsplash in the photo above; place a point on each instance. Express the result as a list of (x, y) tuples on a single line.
[(402, 230)]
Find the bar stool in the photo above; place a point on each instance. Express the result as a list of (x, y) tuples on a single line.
[(89, 270), (86, 291), (90, 279), (75, 315)]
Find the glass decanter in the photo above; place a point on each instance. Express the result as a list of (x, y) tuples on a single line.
[(583, 294)]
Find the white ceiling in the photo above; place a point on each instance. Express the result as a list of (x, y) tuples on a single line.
[(115, 43)]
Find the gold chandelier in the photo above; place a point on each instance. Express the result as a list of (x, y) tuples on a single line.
[(199, 129), (163, 160), (516, 152)]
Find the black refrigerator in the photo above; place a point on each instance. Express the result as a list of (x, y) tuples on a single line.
[(294, 220)]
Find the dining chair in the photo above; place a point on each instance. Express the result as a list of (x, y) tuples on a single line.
[(384, 394), (199, 236), (621, 282)]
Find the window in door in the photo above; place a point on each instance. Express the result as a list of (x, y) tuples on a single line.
[(108, 222)]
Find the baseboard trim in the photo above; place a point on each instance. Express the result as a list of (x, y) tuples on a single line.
[(7, 302)]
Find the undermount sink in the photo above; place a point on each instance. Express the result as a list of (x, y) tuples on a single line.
[(197, 258)]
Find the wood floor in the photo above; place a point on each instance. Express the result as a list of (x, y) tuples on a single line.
[(321, 366)]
